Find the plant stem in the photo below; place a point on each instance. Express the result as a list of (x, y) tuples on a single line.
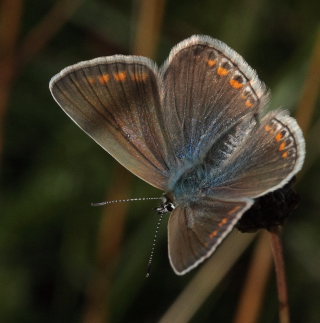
[(277, 251), (251, 300)]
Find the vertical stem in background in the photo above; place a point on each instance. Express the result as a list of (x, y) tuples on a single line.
[(12, 58), (97, 310), (279, 263), (10, 20), (252, 296), (311, 89), (304, 115), (257, 277), (149, 21), (42, 33), (207, 278), (110, 236)]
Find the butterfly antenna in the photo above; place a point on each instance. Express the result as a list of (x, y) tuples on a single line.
[(155, 239), (123, 201)]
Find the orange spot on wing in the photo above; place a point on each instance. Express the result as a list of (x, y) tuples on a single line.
[(234, 210), (214, 234), (139, 77), (222, 71), (282, 146), (223, 222), (268, 128), (91, 80), (104, 78), (249, 104), (235, 84), (279, 136), (244, 96), (120, 77), (212, 62), (285, 154)]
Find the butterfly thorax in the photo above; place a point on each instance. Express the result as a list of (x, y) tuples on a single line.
[(210, 167), (191, 185)]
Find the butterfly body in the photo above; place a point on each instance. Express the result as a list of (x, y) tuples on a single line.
[(195, 128)]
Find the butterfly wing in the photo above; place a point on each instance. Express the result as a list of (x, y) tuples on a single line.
[(270, 154), (195, 231), (208, 88), (116, 101)]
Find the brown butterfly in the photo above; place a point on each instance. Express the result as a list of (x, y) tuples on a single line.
[(193, 128)]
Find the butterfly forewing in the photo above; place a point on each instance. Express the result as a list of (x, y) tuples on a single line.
[(116, 101), (207, 89), (196, 230)]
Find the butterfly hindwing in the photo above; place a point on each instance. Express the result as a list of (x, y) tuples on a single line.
[(116, 101), (196, 230), (268, 157)]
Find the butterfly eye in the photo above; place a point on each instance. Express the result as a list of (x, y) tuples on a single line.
[(165, 208), (170, 207)]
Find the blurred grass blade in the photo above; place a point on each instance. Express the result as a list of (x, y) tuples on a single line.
[(249, 306), (207, 278), (307, 105), (253, 293), (113, 221), (10, 22), (149, 21)]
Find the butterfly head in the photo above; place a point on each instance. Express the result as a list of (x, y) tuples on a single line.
[(166, 205)]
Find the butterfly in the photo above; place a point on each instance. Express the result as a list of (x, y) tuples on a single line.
[(194, 128)]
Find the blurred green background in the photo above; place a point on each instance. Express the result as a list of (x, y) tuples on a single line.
[(62, 260)]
